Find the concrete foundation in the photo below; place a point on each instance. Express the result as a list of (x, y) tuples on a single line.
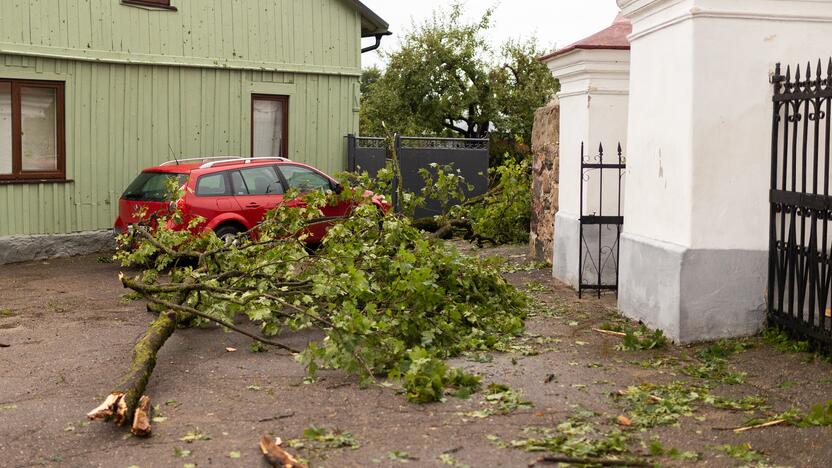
[(14, 249), (565, 250), (693, 295)]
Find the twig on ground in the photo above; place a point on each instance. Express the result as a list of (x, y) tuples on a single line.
[(586, 461), (609, 332), (776, 422), (4, 345), (278, 417)]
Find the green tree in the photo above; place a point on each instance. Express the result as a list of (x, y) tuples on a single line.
[(446, 80)]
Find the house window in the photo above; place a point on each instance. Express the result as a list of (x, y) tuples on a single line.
[(165, 4), (269, 126), (31, 130)]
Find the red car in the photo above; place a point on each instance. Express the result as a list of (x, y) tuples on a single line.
[(232, 194)]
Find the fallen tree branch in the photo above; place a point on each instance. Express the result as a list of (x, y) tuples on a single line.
[(586, 461), (191, 310), (276, 456), (123, 403), (4, 345)]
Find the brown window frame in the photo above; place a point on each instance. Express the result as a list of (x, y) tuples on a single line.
[(161, 4), (284, 147), (18, 174)]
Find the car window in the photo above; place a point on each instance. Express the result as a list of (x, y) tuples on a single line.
[(304, 179), (257, 181), (212, 185), (152, 186)]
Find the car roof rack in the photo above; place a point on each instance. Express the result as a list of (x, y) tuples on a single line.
[(242, 160), (179, 162)]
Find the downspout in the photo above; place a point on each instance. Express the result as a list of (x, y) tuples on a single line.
[(377, 44)]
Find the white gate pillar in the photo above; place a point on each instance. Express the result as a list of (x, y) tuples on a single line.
[(695, 244), (594, 80)]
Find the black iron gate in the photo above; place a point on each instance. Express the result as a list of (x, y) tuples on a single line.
[(599, 256), (800, 267)]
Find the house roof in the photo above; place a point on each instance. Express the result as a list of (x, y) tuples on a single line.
[(371, 23), (611, 38)]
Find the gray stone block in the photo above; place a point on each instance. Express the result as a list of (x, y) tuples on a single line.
[(14, 249)]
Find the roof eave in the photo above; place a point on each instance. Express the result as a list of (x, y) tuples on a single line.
[(566, 50), (371, 23)]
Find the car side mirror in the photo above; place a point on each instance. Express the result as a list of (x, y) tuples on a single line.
[(337, 188)]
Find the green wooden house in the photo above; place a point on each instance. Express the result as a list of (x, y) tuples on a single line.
[(92, 91)]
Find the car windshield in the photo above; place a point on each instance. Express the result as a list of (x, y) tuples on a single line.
[(152, 186)]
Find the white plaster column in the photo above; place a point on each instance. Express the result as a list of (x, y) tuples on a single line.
[(694, 248), (593, 108)]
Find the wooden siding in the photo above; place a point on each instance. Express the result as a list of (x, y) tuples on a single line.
[(321, 36), (122, 118)]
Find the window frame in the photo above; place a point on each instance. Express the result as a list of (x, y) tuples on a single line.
[(160, 4), (287, 185), (280, 179), (226, 175), (18, 174), (284, 147)]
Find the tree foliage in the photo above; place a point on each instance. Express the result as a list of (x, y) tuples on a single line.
[(391, 301), (446, 80)]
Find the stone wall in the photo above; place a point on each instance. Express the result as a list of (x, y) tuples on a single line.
[(545, 179)]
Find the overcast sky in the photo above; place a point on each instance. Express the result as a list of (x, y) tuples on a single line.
[(554, 22)]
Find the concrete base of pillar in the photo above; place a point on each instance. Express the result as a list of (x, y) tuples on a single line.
[(693, 295), (565, 249), (14, 249)]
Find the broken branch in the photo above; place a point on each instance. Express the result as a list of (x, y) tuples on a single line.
[(609, 332), (276, 456), (123, 402), (141, 419)]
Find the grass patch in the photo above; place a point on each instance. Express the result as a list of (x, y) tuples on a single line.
[(742, 452), (657, 450), (713, 362), (318, 438), (637, 338), (650, 405), (501, 399)]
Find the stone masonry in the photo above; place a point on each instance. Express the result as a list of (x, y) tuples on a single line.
[(545, 179)]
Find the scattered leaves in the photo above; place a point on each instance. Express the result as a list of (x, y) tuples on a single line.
[(194, 436)]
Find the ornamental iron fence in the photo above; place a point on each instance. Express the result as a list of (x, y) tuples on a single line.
[(800, 246)]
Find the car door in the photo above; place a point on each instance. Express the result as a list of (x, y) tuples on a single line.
[(258, 190), (305, 179), (212, 196)]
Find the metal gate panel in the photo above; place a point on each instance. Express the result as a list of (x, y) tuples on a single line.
[(800, 269), (600, 229)]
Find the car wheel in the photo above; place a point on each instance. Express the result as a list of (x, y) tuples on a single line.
[(227, 233)]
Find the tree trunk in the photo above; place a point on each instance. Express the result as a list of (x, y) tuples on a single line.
[(123, 403)]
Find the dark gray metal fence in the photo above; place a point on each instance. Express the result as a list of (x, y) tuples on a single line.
[(800, 253), (469, 156)]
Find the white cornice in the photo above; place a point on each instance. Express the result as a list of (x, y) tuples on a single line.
[(652, 15), (580, 64)]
